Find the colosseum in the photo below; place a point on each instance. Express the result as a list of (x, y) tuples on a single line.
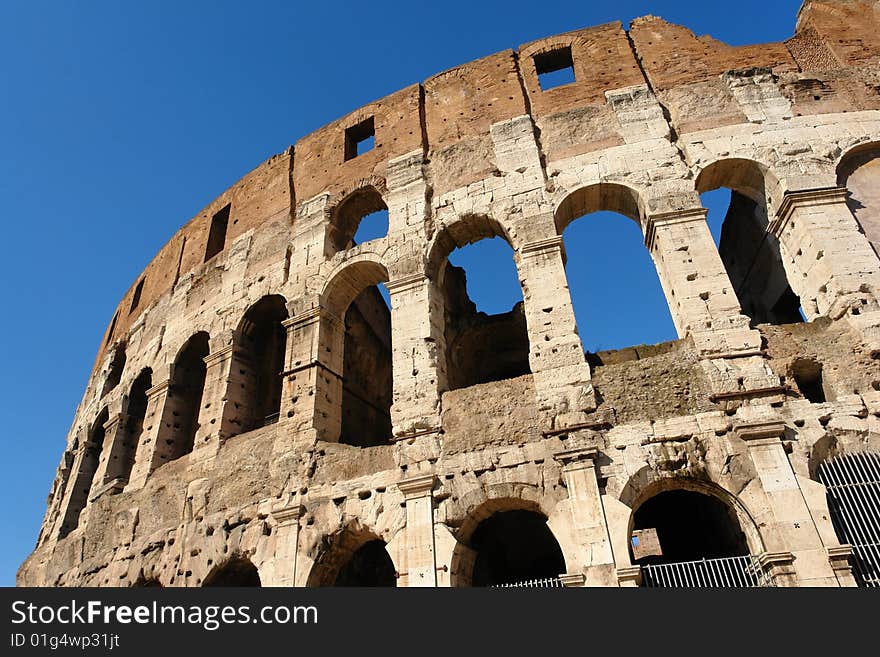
[(257, 415)]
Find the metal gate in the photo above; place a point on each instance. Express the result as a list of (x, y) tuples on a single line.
[(724, 572), (853, 483)]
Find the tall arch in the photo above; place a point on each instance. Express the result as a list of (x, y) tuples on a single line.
[(751, 255), (608, 269), (185, 395), (358, 333), (87, 465), (477, 347), (254, 393), (859, 172), (123, 454), (117, 365)]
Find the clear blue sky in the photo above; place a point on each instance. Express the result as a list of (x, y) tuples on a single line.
[(120, 120)]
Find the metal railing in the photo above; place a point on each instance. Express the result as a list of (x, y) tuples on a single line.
[(723, 572), (853, 483), (544, 583)]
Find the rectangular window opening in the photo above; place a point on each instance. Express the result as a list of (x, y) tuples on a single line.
[(217, 236), (554, 68), (112, 327), (136, 298), (359, 139)]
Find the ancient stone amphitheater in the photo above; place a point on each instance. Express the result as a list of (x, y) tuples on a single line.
[(256, 414)]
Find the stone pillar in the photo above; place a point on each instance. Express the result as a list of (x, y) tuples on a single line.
[(556, 355), (312, 389), (705, 307), (629, 576), (588, 527), (109, 477), (148, 456), (839, 558), (417, 342), (421, 561), (286, 543), (829, 261), (791, 530)]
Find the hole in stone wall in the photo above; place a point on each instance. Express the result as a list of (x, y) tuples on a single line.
[(360, 138), (485, 330), (361, 217), (807, 376), (367, 370), (112, 327), (690, 526), (217, 234), (515, 546), (554, 68)]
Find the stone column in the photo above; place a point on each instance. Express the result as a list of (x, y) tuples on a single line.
[(286, 543), (556, 355), (588, 526), (417, 341), (420, 562), (795, 547), (830, 263), (149, 452), (705, 307), (312, 389), (108, 477)]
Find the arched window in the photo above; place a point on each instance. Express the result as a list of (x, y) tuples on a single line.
[(360, 217), (859, 172), (514, 548), (185, 395), (123, 454), (117, 365), (615, 290), (89, 457), (485, 332), (734, 192), (237, 571), (256, 381), (361, 350)]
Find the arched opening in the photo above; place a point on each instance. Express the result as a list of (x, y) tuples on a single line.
[(484, 327), (735, 195), (514, 548), (370, 565), (353, 557), (82, 483), (362, 216), (807, 375), (355, 295), (261, 340), (123, 455), (615, 290), (238, 571), (117, 365), (688, 538), (853, 492), (859, 172), (185, 395)]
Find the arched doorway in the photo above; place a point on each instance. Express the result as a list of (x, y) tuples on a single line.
[(688, 538), (238, 571), (370, 565), (353, 557)]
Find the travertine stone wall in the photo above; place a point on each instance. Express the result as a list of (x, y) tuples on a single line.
[(655, 117)]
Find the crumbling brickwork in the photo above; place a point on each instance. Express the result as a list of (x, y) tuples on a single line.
[(258, 414)]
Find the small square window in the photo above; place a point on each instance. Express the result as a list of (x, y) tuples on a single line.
[(359, 139), (555, 68)]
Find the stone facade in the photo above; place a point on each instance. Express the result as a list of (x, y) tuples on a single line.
[(234, 417)]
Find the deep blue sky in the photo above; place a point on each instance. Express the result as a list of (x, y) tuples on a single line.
[(120, 120)]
